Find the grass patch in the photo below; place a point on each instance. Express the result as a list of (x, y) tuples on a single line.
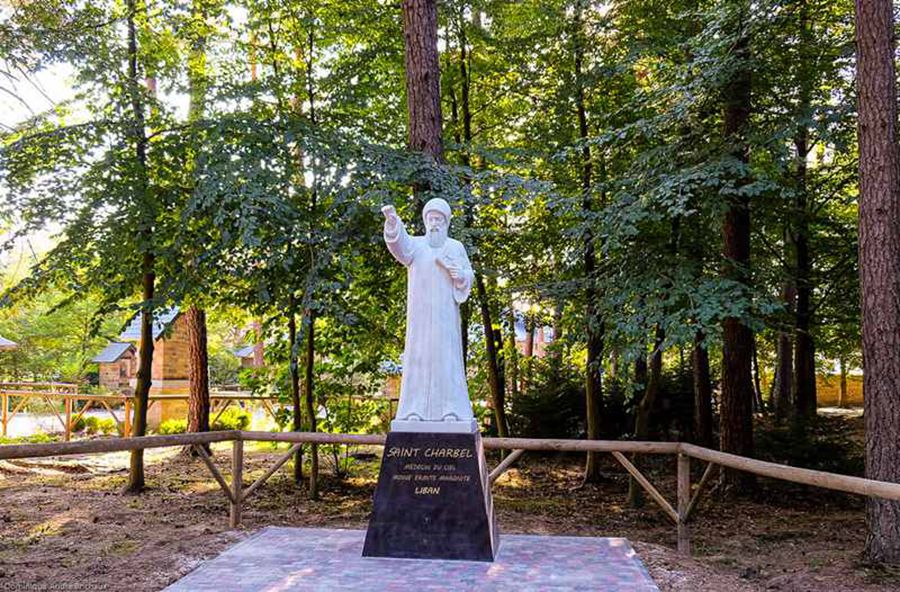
[(120, 548), (39, 438)]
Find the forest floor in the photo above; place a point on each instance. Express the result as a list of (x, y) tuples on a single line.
[(64, 525)]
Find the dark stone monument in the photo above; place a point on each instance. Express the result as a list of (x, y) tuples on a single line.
[(433, 499)]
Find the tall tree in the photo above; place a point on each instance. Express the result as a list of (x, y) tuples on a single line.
[(879, 266), (198, 364), (148, 257), (309, 313), (736, 418), (804, 387), (492, 346), (593, 320)]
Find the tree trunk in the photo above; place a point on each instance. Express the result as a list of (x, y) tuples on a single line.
[(144, 376), (842, 400), (879, 265), (423, 85), (804, 396), (258, 347), (198, 372), (498, 397), (198, 367), (498, 394), (309, 314), (640, 370), (645, 410), (528, 346), (309, 360), (651, 392), (465, 319), (557, 332), (613, 379), (804, 386), (593, 322), (512, 355), (784, 361), (758, 404), (703, 417), (736, 416), (148, 262), (294, 366)]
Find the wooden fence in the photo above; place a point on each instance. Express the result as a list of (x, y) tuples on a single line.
[(15, 396), (686, 497)]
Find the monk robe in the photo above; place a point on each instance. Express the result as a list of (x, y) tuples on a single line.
[(433, 387)]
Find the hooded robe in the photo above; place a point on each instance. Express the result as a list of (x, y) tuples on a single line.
[(433, 387)]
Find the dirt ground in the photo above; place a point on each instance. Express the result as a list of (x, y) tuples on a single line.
[(64, 525)]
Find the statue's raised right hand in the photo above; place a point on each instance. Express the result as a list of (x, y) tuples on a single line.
[(390, 217)]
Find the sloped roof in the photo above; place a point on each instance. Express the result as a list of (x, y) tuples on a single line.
[(6, 344), (112, 352), (244, 352), (161, 321)]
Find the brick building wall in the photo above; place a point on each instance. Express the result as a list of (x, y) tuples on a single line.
[(117, 375), (171, 355)]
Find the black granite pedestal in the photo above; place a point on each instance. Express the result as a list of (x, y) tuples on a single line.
[(433, 499)]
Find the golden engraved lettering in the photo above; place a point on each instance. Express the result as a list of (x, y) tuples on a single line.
[(401, 452), (416, 467), (448, 453)]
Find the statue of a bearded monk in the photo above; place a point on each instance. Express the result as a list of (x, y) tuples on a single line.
[(434, 396)]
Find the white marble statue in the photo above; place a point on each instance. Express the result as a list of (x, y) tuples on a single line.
[(434, 396)]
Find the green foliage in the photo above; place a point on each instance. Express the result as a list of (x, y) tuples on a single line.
[(829, 444), (39, 438), (553, 404), (57, 335), (92, 424), (80, 424), (351, 416), (262, 200), (172, 426), (232, 418)]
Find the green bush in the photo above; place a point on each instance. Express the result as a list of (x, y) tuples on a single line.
[(107, 426), (233, 418), (173, 426), (91, 424), (552, 405), (80, 424), (95, 425), (39, 438)]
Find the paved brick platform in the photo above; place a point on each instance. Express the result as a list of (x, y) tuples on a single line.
[(282, 559)]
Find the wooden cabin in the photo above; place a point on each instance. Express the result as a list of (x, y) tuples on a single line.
[(117, 365), (169, 372)]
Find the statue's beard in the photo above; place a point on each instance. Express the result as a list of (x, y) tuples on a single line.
[(437, 236)]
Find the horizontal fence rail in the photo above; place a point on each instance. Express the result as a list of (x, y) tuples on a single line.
[(14, 451), (68, 396), (680, 512)]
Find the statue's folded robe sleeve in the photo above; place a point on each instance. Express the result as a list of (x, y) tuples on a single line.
[(463, 286), (400, 244)]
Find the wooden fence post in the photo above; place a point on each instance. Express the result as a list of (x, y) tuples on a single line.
[(237, 475), (684, 499), (68, 404), (127, 428), (5, 412)]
